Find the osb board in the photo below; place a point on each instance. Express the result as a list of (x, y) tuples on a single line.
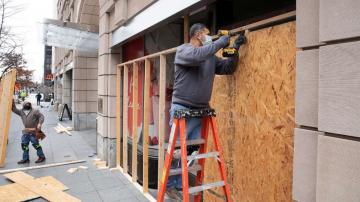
[(6, 95), (47, 192), (255, 115), (17, 192)]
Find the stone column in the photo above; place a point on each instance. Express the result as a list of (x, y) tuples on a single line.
[(84, 90), (108, 58), (59, 91), (66, 88)]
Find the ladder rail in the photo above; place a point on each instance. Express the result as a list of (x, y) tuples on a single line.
[(168, 159), (185, 178), (220, 159)]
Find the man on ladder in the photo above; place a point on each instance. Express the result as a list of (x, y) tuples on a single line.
[(195, 67)]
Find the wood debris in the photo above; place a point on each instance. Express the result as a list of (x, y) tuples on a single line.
[(61, 129), (83, 167), (72, 170), (100, 164)]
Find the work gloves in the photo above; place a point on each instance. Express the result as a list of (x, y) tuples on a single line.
[(225, 40), (239, 41)]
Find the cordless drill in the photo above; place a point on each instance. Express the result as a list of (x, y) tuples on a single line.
[(227, 51)]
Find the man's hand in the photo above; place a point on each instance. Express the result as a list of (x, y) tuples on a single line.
[(239, 41)]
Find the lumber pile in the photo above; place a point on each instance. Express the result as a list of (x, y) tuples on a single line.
[(61, 129), (255, 115), (26, 187)]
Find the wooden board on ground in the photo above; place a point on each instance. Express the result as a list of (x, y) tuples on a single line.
[(255, 115), (6, 94), (44, 190), (42, 166), (17, 192)]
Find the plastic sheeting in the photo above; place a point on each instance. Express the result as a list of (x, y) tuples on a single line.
[(62, 36)]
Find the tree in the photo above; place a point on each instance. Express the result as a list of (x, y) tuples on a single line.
[(9, 43), (16, 61)]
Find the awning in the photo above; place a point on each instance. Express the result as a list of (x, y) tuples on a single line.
[(70, 35), (157, 12)]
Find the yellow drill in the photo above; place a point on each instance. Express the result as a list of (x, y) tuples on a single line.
[(228, 51)]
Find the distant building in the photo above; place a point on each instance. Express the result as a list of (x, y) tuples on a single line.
[(48, 77)]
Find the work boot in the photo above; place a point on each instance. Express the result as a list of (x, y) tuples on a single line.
[(171, 193), (40, 160), (23, 161)]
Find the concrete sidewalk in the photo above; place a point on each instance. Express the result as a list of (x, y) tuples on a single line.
[(87, 185)]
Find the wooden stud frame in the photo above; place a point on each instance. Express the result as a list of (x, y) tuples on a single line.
[(135, 108), (146, 126), (162, 102)]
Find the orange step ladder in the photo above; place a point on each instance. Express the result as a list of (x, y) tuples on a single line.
[(208, 118)]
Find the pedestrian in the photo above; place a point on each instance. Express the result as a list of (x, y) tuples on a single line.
[(38, 98), (23, 95), (195, 68), (32, 120)]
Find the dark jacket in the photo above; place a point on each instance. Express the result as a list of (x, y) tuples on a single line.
[(38, 96), (195, 69)]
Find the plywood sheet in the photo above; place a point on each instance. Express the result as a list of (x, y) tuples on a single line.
[(307, 23), (17, 192), (339, 19), (339, 89), (338, 176), (307, 85), (6, 94), (44, 190), (255, 108), (305, 158)]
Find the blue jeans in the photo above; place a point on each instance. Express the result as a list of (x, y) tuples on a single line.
[(25, 140), (193, 131)]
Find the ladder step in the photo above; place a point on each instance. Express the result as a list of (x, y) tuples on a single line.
[(204, 187), (178, 171), (188, 143), (202, 156)]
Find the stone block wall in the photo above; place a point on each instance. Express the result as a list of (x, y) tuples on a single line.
[(327, 101)]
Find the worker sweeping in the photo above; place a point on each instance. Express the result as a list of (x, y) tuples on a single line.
[(195, 68), (32, 120)]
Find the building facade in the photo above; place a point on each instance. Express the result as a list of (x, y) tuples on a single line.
[(327, 91), (75, 71)]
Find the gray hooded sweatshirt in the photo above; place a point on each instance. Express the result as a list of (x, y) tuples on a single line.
[(195, 69), (30, 120)]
